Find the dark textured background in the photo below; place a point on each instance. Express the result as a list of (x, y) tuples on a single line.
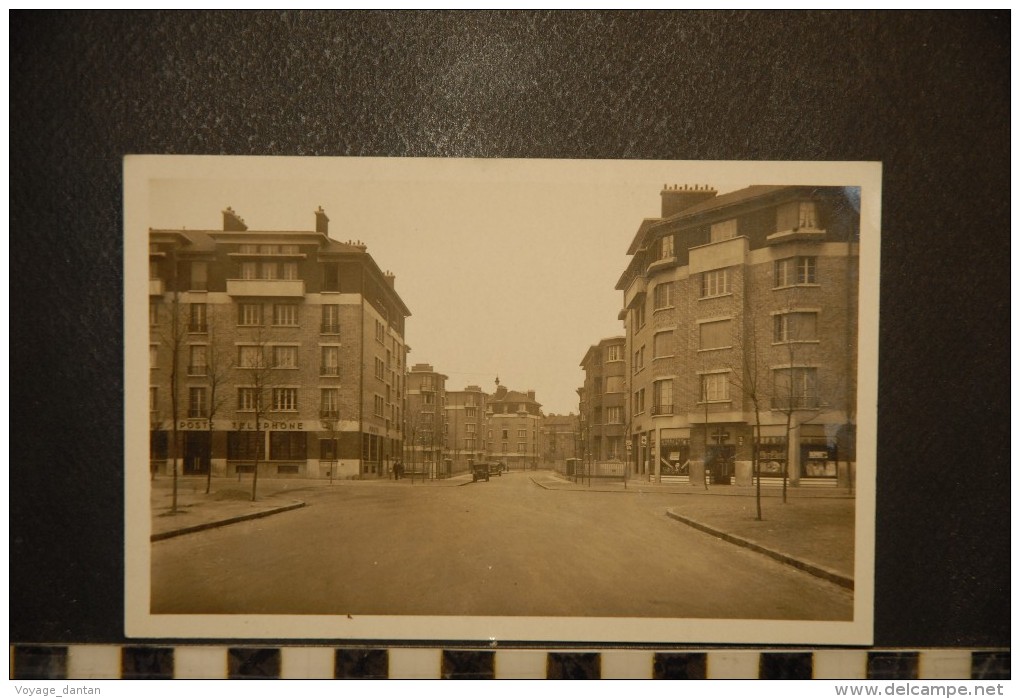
[(926, 94)]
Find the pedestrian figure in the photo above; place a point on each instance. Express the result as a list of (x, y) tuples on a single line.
[(398, 470)]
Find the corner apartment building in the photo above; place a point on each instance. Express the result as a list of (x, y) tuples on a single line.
[(604, 399), (425, 421), (283, 346), (512, 433), (465, 427), (741, 309)]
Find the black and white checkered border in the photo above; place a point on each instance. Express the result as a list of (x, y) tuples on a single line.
[(91, 662)]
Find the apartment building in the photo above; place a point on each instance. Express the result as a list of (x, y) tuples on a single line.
[(425, 425), (740, 312), (513, 419), (282, 348), (604, 399), (466, 427), (560, 439)]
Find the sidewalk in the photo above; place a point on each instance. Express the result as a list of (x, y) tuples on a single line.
[(229, 500), (812, 531)]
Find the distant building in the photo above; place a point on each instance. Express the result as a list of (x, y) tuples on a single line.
[(560, 439), (292, 326), (604, 399), (425, 422), (466, 427), (512, 431), (736, 306)]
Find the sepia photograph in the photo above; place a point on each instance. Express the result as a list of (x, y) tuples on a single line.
[(500, 400)]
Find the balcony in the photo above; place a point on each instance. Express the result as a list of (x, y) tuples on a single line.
[(330, 328), (266, 287), (723, 253), (662, 410), (155, 287), (329, 370)]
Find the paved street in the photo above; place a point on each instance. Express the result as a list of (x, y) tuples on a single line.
[(503, 548)]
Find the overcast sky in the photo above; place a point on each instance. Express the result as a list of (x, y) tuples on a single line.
[(508, 267)]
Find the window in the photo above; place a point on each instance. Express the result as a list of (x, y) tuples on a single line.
[(285, 357), (380, 331), (153, 269), (330, 277), (717, 334), (470, 412), (199, 276), (795, 388), (506, 434), (614, 384), (329, 402), (153, 399), (798, 326), (330, 361), (639, 359), (522, 408), (249, 270), (154, 313), (639, 401), (284, 399), (379, 406), (248, 249), (285, 314), (197, 318), (244, 445), (249, 357), (723, 230), (269, 249), (638, 316), (666, 247), (249, 314), (521, 434), (287, 445), (289, 270), (328, 449), (153, 356), (662, 397), (196, 360), (469, 428), (248, 399), (613, 353), (806, 215), (469, 444), (663, 295), (662, 344), (715, 283), (331, 318), (614, 415), (795, 270), (380, 368), (715, 387), (196, 402)]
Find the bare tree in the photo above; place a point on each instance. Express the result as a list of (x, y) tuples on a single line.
[(172, 336), (255, 397), (217, 370), (748, 377)]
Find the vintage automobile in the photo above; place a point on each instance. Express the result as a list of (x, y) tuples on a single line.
[(483, 469), (479, 471)]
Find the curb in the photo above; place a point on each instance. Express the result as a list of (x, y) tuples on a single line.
[(223, 522), (816, 570)]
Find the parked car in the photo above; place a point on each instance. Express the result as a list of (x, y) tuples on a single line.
[(479, 471)]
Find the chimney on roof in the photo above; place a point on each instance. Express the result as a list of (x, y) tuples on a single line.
[(391, 278), (321, 221), (676, 198), (531, 395), (233, 222)]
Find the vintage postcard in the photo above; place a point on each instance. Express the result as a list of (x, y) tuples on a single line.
[(500, 400)]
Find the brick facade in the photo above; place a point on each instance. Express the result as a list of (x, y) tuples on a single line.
[(291, 316), (762, 306)]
